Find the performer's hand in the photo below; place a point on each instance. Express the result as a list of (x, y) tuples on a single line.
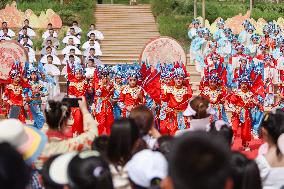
[(83, 105)]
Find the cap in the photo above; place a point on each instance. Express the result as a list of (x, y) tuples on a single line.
[(145, 166), (58, 168), (28, 140)]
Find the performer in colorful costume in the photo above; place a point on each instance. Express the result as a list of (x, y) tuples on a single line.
[(241, 101), (280, 103), (177, 97), (13, 94), (219, 34), (196, 50), (253, 49), (166, 83), (266, 38), (103, 110), (118, 84), (132, 94), (35, 94), (270, 78), (192, 33), (214, 89), (76, 89)]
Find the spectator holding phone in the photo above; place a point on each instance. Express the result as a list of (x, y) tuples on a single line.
[(58, 117)]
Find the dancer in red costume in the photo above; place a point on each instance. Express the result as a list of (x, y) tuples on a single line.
[(166, 83), (241, 101), (214, 89), (177, 97), (103, 110), (76, 89), (132, 94), (13, 94)]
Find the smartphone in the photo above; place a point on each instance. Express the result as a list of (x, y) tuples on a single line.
[(72, 102)]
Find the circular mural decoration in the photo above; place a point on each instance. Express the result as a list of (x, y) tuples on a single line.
[(10, 51), (163, 50)]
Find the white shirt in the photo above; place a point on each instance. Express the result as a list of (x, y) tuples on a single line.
[(56, 60), (99, 35), (150, 141), (87, 45), (89, 72), (66, 59), (196, 125), (30, 32), (46, 34), (50, 68), (66, 50), (272, 177), (11, 33)]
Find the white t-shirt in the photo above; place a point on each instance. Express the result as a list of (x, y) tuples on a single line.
[(272, 177), (150, 141)]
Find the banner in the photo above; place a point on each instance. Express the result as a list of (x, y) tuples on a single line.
[(163, 50), (10, 51)]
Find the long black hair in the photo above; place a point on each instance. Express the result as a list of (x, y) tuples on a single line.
[(244, 172), (88, 170), (47, 181), (124, 141), (56, 113), (14, 174), (273, 123)]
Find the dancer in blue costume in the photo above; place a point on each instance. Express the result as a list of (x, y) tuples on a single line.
[(192, 34), (245, 39), (118, 84), (276, 53), (225, 45), (35, 93), (219, 34), (253, 48), (196, 47)]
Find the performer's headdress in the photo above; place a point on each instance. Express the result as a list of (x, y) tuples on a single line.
[(246, 23), (199, 30), (215, 56), (213, 76), (195, 21), (228, 30), (245, 79), (255, 36), (134, 71), (267, 28), (77, 67), (250, 27), (240, 46), (167, 71), (32, 69), (267, 58), (245, 58), (206, 31), (276, 28), (213, 44), (103, 71), (232, 37), (263, 46), (179, 72), (16, 70), (220, 22)]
